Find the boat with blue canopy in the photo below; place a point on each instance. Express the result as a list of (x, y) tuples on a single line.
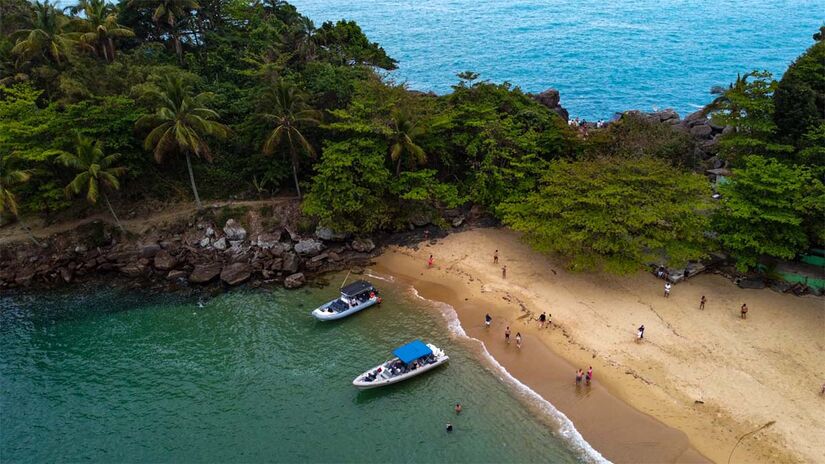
[(410, 360), (354, 297)]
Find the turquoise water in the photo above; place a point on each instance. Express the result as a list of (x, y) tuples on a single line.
[(99, 375), (604, 56)]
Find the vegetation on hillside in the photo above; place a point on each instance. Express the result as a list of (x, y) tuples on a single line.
[(246, 98)]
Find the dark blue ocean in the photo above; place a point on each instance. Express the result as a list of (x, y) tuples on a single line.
[(604, 56)]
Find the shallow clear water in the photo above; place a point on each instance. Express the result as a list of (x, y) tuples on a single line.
[(604, 56), (101, 375)]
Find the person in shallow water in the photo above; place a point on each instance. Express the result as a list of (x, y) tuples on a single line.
[(518, 339), (458, 408), (449, 427), (579, 375), (507, 334), (488, 320)]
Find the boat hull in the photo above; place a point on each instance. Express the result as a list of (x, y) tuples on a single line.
[(382, 382), (322, 314)]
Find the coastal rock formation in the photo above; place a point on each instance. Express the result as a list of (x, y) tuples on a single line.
[(234, 231), (295, 280), (550, 98), (363, 245), (204, 273), (164, 261), (309, 246), (236, 273), (327, 234)]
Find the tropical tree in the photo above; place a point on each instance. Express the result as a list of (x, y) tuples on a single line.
[(169, 14), (100, 24), (404, 129), (46, 36), (180, 124), (12, 176), (288, 113), (96, 172)]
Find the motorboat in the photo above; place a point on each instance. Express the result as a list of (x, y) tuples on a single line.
[(354, 297), (412, 359)]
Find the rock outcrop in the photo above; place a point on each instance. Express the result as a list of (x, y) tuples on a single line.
[(236, 273), (550, 98), (295, 280)]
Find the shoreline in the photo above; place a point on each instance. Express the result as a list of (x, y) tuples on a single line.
[(638, 409)]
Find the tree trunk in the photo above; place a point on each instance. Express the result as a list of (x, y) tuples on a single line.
[(295, 177), (192, 180), (178, 48), (398, 166), (29, 232), (112, 210)]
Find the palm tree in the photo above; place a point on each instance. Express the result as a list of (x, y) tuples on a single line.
[(289, 112), (96, 172), (170, 13), (11, 176), (100, 23), (404, 129), (180, 124), (46, 35)]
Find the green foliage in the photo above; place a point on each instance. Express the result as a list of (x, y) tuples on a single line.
[(634, 136), (766, 210), (348, 192), (621, 214), (800, 95)]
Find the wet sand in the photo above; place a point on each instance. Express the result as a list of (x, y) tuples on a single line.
[(658, 401)]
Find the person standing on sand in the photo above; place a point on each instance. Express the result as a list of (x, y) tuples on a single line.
[(743, 311), (667, 289), (430, 262), (507, 334), (579, 375), (542, 320), (518, 339), (640, 334), (504, 272), (589, 375), (702, 302), (488, 320), (495, 257)]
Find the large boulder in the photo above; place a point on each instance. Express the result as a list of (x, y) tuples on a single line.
[(164, 261), (149, 250), (363, 245), (295, 280), (204, 273), (236, 273), (702, 131), (549, 98), (133, 269), (325, 233), (220, 244), (291, 262), (666, 115), (309, 246), (234, 231)]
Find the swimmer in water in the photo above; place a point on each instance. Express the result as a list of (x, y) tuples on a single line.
[(458, 408), (449, 427)]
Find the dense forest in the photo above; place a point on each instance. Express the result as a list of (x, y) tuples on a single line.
[(104, 105)]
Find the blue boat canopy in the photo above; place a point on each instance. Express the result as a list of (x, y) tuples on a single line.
[(412, 351)]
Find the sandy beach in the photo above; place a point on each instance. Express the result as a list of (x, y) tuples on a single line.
[(700, 380)]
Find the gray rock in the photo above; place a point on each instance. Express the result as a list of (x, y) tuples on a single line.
[(325, 233), (234, 231), (291, 262), (236, 273), (149, 250), (701, 131), (204, 273), (295, 280), (205, 242), (220, 244), (666, 115), (133, 270), (175, 275), (309, 246), (66, 274), (458, 221), (420, 219), (363, 245), (319, 258), (210, 232), (292, 235), (164, 261)]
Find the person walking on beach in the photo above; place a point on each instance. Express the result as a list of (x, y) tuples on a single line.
[(518, 339), (542, 320), (504, 272), (743, 311), (488, 320), (507, 334), (458, 408), (495, 257), (579, 375), (702, 302), (640, 334), (430, 262), (589, 376), (667, 289)]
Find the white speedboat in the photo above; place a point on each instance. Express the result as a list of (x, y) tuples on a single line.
[(412, 359), (354, 297)]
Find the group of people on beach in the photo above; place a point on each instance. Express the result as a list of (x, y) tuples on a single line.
[(587, 376), (743, 310)]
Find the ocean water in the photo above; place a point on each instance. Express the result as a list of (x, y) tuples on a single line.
[(603, 56), (100, 375)]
